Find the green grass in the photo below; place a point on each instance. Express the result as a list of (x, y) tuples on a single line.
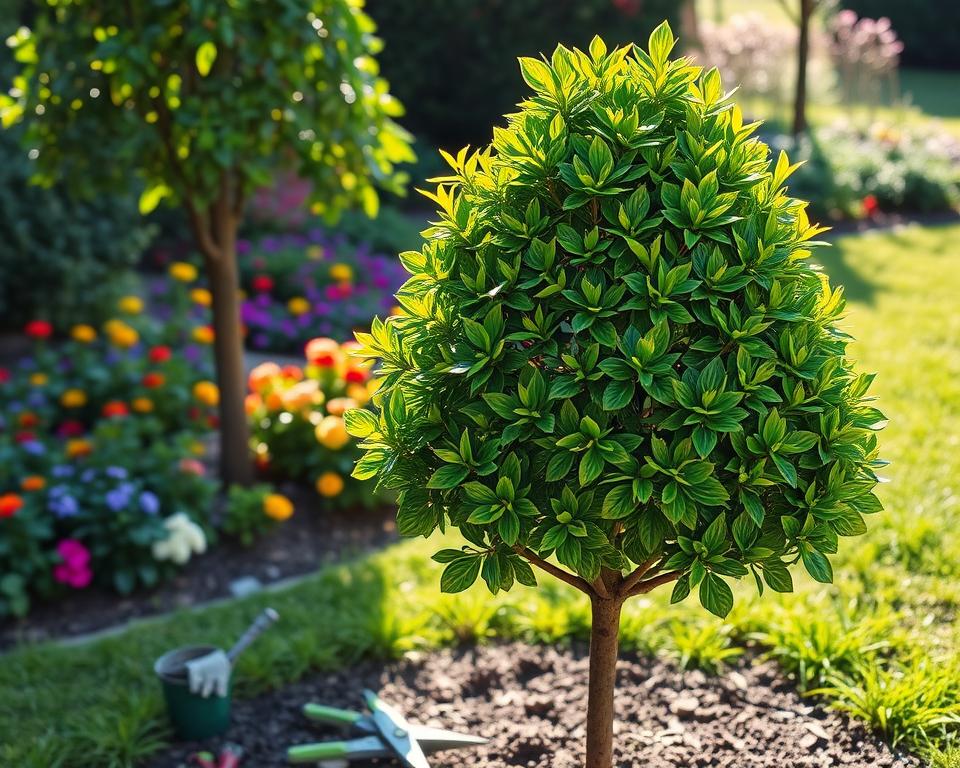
[(883, 643)]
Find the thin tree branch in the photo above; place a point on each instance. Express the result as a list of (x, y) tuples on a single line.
[(600, 587), (630, 581), (648, 585), (572, 579)]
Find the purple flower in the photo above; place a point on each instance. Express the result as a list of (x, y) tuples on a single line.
[(61, 470), (119, 497), (87, 475), (34, 448), (61, 503), (149, 503), (116, 473)]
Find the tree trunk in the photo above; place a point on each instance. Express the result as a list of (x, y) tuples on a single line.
[(689, 25), (803, 54), (235, 464), (604, 644)]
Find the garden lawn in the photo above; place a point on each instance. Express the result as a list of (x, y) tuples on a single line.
[(883, 643)]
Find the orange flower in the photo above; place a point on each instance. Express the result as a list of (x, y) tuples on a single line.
[(38, 379), (121, 334), (73, 398), (277, 506), (83, 333), (261, 375), (79, 447), (131, 305), (32, 483), (338, 405), (342, 273), (298, 306), (329, 484), (207, 393), (358, 393), (10, 503), (274, 401), (201, 296), (142, 404), (252, 403), (301, 395), (294, 372), (331, 433), (28, 419), (203, 334), (183, 271)]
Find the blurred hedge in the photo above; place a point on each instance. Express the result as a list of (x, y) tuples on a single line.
[(453, 63), (930, 29)]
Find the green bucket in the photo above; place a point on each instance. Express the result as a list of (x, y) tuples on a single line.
[(194, 717)]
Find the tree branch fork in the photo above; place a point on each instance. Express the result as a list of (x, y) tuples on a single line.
[(611, 584)]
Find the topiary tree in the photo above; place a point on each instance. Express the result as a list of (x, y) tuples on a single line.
[(613, 353), (203, 100)]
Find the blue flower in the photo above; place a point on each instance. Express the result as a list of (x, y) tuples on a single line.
[(117, 473), (149, 503), (61, 503), (61, 470), (34, 448), (119, 497)]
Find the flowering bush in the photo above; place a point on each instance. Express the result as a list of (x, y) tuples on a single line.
[(854, 171), (252, 512), (301, 285), (297, 424)]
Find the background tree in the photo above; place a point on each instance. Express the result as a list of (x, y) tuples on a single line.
[(204, 100), (801, 13), (613, 362)]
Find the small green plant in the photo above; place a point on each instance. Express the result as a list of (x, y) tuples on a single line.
[(251, 512), (613, 362)]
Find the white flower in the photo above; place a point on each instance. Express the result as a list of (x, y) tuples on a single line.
[(185, 538)]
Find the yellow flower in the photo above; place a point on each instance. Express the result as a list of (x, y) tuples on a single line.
[(342, 273), (201, 296), (315, 253), (142, 404), (197, 448), (73, 398), (331, 433), (131, 305), (203, 334), (121, 334), (79, 447), (298, 306), (83, 333), (38, 379), (182, 271), (277, 506), (207, 393), (329, 484)]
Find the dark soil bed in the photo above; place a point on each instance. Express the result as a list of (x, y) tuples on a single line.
[(314, 536), (530, 702)]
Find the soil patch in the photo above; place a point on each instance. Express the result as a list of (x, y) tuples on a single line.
[(315, 536), (531, 703)]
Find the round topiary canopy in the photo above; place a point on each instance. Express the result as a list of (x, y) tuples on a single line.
[(614, 350)]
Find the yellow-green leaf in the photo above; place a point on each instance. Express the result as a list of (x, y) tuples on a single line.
[(206, 55)]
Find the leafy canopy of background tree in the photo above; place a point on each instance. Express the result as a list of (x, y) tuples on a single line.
[(182, 90), (614, 351)]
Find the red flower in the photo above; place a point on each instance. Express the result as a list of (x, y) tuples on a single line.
[(70, 429), (25, 437), (4, 375), (213, 421), (153, 380), (262, 283), (292, 372), (870, 205), (28, 419), (355, 376), (115, 408), (160, 354), (10, 503), (38, 329)]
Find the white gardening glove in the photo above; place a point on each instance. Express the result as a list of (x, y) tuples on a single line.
[(209, 674)]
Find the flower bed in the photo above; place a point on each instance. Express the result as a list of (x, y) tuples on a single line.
[(298, 286), (298, 430)]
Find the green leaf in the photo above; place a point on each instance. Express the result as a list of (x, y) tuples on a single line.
[(206, 55), (716, 595), (618, 503), (777, 576), (448, 476), (618, 395), (817, 565), (150, 197), (460, 574), (591, 465), (509, 528), (360, 422)]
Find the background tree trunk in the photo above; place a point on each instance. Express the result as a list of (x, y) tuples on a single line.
[(604, 645), (803, 55), (222, 272)]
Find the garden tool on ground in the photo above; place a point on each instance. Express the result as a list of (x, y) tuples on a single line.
[(382, 733), (211, 673)]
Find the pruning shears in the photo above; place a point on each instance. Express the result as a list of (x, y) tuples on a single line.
[(382, 733)]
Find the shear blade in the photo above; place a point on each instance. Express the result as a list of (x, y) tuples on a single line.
[(438, 739)]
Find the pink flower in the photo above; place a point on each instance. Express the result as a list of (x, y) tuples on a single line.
[(74, 570), (191, 466)]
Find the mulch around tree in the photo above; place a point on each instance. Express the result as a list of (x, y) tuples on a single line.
[(315, 536), (531, 702)]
